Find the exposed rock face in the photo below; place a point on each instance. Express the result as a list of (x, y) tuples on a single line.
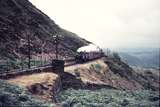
[(44, 86), (18, 19), (11, 95), (100, 73)]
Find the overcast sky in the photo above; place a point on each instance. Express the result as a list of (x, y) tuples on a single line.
[(108, 23)]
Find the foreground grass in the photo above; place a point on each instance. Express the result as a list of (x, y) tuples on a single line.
[(108, 98), (14, 96)]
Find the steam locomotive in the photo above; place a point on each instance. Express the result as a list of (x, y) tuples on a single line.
[(88, 53)]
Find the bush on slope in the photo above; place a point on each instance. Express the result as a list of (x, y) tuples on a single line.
[(108, 98)]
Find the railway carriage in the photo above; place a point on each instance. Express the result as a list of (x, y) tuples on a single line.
[(88, 53)]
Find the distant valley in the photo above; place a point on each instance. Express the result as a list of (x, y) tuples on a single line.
[(146, 58)]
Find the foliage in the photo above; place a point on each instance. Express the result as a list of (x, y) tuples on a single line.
[(96, 67), (9, 65), (116, 56), (108, 98)]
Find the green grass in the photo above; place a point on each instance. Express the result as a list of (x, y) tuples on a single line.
[(108, 98)]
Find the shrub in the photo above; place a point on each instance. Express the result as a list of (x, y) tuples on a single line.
[(108, 98), (96, 67)]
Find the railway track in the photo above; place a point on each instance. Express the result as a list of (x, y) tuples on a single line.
[(12, 73)]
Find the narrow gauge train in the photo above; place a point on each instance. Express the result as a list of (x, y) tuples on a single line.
[(88, 53)]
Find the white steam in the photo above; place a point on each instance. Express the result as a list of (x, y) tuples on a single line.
[(89, 48)]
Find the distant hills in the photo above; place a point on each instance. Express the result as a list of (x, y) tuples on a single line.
[(147, 58)]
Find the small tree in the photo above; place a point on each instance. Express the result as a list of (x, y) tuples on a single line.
[(116, 56)]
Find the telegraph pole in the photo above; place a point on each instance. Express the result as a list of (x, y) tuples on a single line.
[(56, 46), (56, 41), (29, 51), (57, 64)]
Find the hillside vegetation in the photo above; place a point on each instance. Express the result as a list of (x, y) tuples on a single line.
[(108, 98), (99, 83), (21, 23), (115, 73)]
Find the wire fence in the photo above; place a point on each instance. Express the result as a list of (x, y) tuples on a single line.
[(29, 53), (9, 65)]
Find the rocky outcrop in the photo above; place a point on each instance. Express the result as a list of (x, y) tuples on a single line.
[(43, 86), (11, 95)]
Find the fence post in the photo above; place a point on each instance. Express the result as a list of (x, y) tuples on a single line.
[(41, 60), (8, 65), (21, 63)]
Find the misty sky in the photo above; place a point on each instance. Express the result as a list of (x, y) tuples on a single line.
[(108, 23)]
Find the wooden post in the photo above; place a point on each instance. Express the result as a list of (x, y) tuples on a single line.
[(8, 65), (56, 40), (29, 51)]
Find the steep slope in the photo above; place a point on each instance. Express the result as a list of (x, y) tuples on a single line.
[(147, 80), (100, 72), (114, 73), (20, 21)]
